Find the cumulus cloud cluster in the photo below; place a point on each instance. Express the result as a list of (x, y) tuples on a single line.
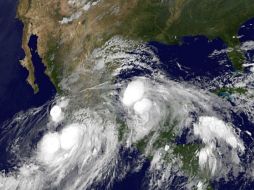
[(212, 129), (149, 103), (215, 133), (80, 143), (81, 151)]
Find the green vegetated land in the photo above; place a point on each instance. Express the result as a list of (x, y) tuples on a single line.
[(168, 21), (238, 90), (53, 68), (165, 21), (187, 152)]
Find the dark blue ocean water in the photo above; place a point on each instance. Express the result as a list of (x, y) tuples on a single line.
[(192, 59), (15, 93), (246, 33), (188, 60)]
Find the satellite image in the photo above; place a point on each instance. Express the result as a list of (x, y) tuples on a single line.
[(126, 94)]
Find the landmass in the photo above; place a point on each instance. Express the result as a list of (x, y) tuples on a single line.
[(69, 30)]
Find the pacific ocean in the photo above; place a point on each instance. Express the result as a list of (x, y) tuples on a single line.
[(16, 94)]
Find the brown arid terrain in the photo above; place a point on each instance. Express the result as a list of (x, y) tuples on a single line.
[(63, 46), (68, 30)]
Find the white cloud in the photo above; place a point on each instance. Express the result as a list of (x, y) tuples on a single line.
[(207, 159), (143, 106), (70, 136), (212, 129), (133, 93), (246, 46), (56, 114)]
